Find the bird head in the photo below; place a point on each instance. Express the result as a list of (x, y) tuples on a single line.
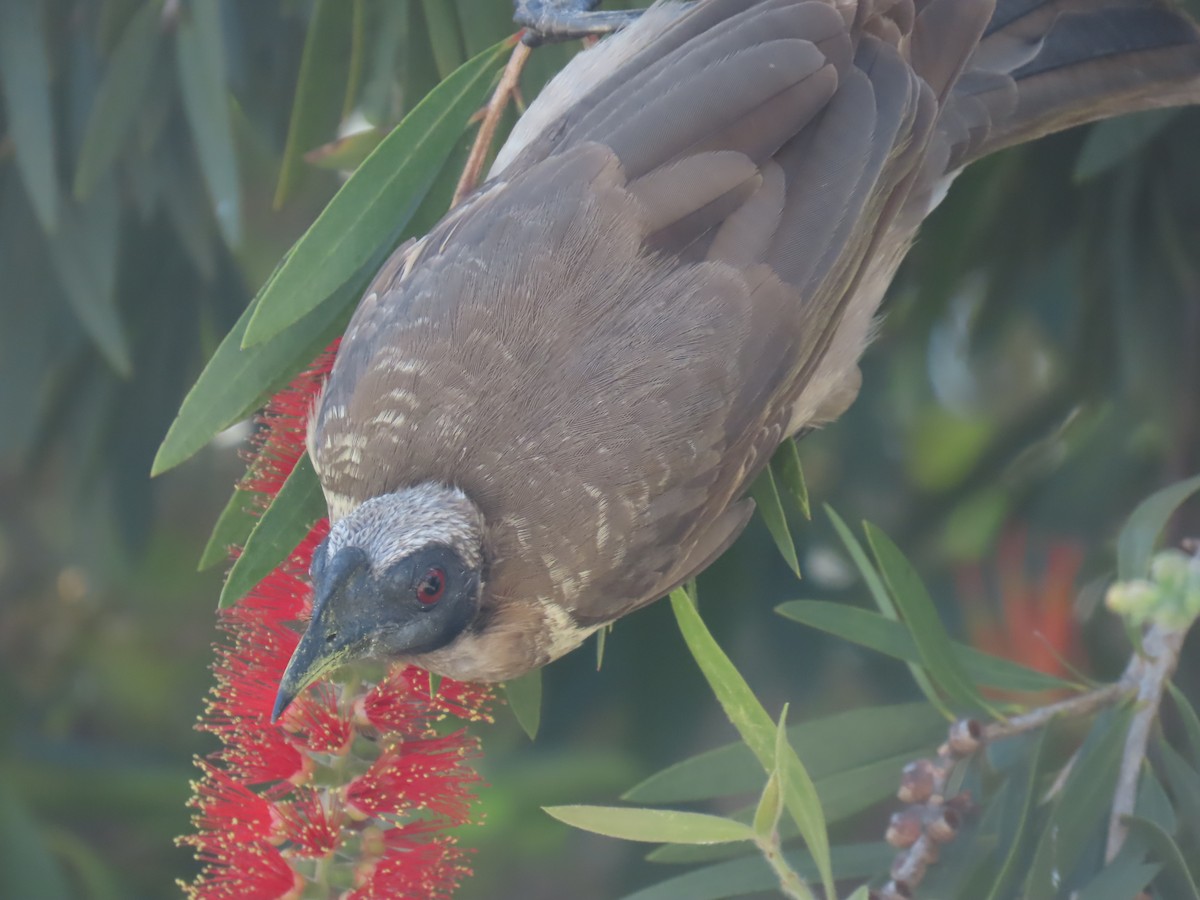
[(398, 576)]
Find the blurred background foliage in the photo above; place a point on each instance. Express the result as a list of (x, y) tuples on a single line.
[(1036, 375)]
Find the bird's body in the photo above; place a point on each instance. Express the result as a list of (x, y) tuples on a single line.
[(676, 263)]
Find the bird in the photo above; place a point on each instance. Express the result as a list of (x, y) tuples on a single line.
[(546, 413)]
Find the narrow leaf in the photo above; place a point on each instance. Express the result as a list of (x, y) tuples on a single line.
[(233, 528), (320, 89), (236, 381), (445, 35), (766, 498), (119, 99), (1191, 721), (297, 506), (843, 794), (200, 58), (924, 624), (525, 700), (654, 825), (880, 595), (769, 808), (357, 64), (874, 631), (1163, 848), (84, 250), (790, 476), (757, 730), (745, 876), (1185, 784), (1123, 879), (1081, 810), (1135, 544), (831, 745), (484, 23), (375, 204), (345, 153), (25, 80), (1037, 762), (770, 803)]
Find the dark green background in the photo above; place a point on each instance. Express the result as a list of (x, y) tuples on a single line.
[(1038, 368)]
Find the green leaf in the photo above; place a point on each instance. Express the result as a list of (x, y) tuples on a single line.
[(233, 528), (1135, 544), (924, 624), (654, 825), (770, 803), (757, 730), (1185, 784), (357, 64), (237, 381), (1122, 879), (200, 59), (320, 89), (445, 35), (744, 876), (1037, 763), (347, 152), (297, 506), (30, 871), (769, 809), (1152, 802), (1081, 809), (1115, 140), (387, 42), (874, 631), (119, 99), (525, 700), (843, 794), (25, 80), (785, 464), (484, 23), (84, 251), (766, 498), (1181, 885), (374, 205), (884, 602), (1191, 722), (829, 746)]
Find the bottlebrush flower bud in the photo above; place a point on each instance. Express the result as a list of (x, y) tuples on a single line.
[(966, 736), (919, 781), (905, 827), (943, 827)]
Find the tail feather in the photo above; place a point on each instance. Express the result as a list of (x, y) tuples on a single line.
[(1046, 65)]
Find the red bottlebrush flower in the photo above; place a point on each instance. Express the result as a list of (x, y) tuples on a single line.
[(282, 806), (428, 774), (1034, 622), (311, 823), (412, 867), (317, 723)]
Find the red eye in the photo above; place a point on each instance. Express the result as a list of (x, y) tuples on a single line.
[(431, 587)]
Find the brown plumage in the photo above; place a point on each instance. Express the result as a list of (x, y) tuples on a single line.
[(675, 264)]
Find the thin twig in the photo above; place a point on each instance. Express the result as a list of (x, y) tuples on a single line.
[(1079, 705), (491, 120), (1151, 670)]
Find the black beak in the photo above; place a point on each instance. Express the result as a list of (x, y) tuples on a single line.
[(322, 646)]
